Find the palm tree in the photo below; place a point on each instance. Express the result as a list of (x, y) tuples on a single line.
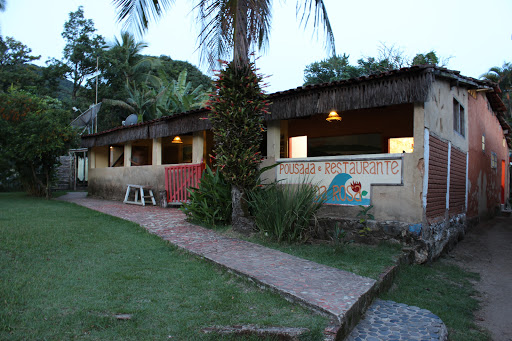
[(128, 53), (227, 25), (239, 26), (503, 77)]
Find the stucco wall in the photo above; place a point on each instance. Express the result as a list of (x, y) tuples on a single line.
[(404, 203), (439, 113), (111, 182), (484, 195)]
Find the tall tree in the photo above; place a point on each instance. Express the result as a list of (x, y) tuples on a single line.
[(237, 113), (82, 48), (34, 132), (15, 65)]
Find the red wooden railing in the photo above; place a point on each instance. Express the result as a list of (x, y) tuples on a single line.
[(179, 178)]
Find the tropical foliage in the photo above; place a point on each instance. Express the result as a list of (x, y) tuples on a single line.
[(148, 86), (82, 50), (229, 29), (181, 96), (210, 202), (140, 101), (503, 77), (337, 68), (236, 113), (284, 212)]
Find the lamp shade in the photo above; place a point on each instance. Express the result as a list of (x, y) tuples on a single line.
[(176, 139), (333, 116)]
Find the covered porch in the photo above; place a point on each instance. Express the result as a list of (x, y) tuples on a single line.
[(140, 154)]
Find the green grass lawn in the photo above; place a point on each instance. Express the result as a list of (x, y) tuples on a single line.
[(364, 260), (444, 289), (65, 271)]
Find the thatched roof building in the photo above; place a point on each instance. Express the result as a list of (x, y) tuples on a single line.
[(406, 85)]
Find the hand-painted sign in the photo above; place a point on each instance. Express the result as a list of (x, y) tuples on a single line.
[(346, 182)]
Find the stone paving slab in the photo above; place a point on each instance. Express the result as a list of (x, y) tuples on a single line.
[(340, 294), (388, 320)]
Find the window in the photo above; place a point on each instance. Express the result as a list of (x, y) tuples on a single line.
[(298, 147), (458, 118), (494, 160), (401, 145)]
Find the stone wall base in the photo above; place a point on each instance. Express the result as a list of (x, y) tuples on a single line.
[(428, 241)]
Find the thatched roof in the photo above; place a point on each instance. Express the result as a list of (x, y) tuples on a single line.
[(183, 123), (407, 85)]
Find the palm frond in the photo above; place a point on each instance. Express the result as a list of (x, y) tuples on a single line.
[(216, 34), (120, 104), (320, 18), (136, 14)]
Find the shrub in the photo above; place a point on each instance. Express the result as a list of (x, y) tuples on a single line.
[(210, 203), (363, 220), (284, 212)]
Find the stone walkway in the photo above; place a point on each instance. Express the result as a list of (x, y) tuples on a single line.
[(339, 294), (388, 320)]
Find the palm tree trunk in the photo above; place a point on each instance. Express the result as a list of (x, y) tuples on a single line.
[(240, 215), (241, 40)]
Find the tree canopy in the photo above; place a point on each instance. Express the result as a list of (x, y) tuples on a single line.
[(82, 48), (339, 68), (34, 132), (503, 77)]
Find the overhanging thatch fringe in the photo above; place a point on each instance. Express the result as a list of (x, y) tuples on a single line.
[(179, 125), (409, 88)]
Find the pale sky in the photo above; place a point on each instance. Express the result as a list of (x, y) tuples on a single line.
[(476, 35)]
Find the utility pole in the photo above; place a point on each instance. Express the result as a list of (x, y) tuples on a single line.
[(97, 71)]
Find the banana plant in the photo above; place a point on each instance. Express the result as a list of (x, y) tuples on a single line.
[(180, 96), (141, 100)]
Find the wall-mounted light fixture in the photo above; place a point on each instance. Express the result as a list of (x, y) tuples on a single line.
[(333, 116), (176, 139)]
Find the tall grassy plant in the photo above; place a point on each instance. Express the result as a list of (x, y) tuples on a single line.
[(284, 211), (209, 203)]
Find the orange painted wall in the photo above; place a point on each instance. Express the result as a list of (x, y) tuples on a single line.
[(484, 187)]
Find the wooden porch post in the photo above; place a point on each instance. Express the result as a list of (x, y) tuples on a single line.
[(127, 154), (198, 147), (157, 152)]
